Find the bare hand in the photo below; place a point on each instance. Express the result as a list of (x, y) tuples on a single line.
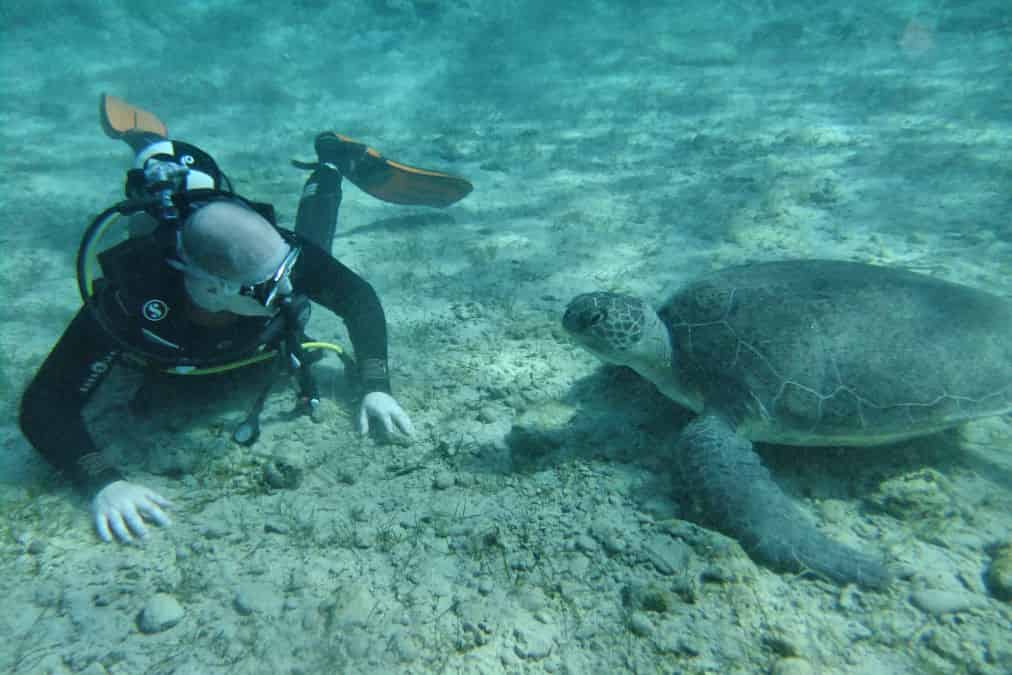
[(120, 509), (383, 407)]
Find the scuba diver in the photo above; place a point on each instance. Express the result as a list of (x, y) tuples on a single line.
[(206, 282)]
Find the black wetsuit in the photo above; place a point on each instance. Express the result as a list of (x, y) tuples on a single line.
[(148, 304)]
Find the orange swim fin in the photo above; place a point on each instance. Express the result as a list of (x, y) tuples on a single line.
[(119, 118), (387, 180)]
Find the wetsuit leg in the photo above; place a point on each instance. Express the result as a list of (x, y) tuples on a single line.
[(138, 140), (321, 197)]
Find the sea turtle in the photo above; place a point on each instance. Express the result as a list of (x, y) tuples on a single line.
[(807, 352)]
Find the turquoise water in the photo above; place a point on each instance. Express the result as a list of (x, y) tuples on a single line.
[(630, 146)]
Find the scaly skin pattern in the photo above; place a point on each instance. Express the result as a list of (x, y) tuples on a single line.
[(738, 497), (626, 331), (731, 488), (808, 353)]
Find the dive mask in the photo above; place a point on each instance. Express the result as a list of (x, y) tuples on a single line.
[(217, 294)]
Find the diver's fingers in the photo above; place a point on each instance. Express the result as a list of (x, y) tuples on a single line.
[(102, 527), (119, 528), (135, 522), (363, 421), (404, 423), (159, 500), (154, 512)]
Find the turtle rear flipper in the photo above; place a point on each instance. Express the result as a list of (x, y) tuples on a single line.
[(741, 499)]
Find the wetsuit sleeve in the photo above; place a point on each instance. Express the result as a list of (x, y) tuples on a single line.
[(51, 407), (317, 216), (329, 283)]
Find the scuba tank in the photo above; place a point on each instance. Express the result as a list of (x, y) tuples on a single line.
[(169, 181)]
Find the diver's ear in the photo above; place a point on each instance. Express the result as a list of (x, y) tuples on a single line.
[(120, 119)]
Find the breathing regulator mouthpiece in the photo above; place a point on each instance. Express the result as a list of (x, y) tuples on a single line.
[(163, 179)]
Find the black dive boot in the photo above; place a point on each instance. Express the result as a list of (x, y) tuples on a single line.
[(340, 151), (316, 219)]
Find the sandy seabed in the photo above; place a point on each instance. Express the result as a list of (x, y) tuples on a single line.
[(533, 525)]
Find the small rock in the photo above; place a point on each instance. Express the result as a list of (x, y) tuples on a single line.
[(785, 640), (405, 648), (364, 537), (443, 480), (640, 624), (324, 410), (999, 573), (259, 598), (465, 311), (667, 555), (352, 607), (161, 613), (529, 444), (658, 507), (849, 599), (546, 416), (46, 597), (215, 531), (718, 573), (175, 462), (362, 514), (648, 597), (684, 588), (358, 643), (947, 645), (532, 599), (276, 528), (532, 644), (833, 510), (586, 543), (920, 495), (792, 665), (938, 602), (609, 537), (579, 564), (281, 475)]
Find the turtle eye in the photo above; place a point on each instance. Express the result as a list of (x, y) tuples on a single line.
[(581, 318), (596, 317)]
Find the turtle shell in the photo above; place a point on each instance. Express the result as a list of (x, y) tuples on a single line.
[(834, 352)]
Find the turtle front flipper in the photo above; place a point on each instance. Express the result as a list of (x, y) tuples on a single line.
[(741, 499)]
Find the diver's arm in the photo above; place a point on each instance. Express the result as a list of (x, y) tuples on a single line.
[(51, 407), (336, 287)]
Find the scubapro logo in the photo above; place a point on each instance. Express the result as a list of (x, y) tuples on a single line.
[(96, 371), (155, 310)]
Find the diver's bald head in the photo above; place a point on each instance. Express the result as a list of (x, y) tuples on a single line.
[(234, 242)]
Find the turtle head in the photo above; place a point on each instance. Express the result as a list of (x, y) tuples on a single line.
[(611, 326), (626, 331)]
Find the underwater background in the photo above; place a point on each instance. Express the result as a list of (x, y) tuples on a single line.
[(532, 525)]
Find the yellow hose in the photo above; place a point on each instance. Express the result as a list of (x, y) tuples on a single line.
[(259, 358)]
